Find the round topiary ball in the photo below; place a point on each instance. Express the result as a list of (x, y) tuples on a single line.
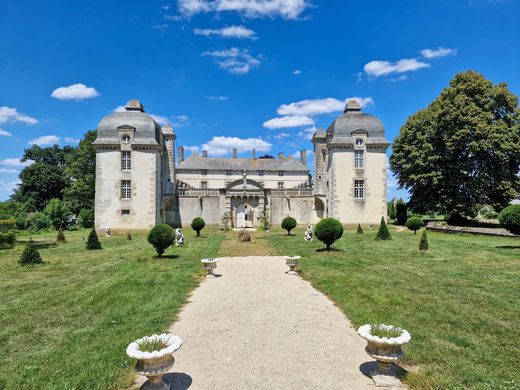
[(161, 237), (414, 223), (198, 224), (328, 230), (288, 223), (510, 218)]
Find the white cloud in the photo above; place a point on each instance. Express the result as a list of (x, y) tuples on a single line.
[(192, 149), (8, 186), (307, 133), (313, 107), (74, 92), (297, 71), (281, 135), (5, 133), (382, 68), (72, 140), (14, 162), (8, 170), (45, 140), (239, 32), (217, 97), (296, 154), (439, 52), (8, 114), (120, 109), (220, 145), (162, 120), (234, 60), (286, 9), (288, 121), (182, 118)]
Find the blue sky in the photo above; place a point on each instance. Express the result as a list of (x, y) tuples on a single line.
[(218, 69)]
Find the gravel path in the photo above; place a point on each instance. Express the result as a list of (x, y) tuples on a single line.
[(257, 328)]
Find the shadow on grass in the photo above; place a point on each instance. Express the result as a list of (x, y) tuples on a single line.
[(368, 368), (178, 380), (508, 247), (39, 244), (330, 250), (166, 257)]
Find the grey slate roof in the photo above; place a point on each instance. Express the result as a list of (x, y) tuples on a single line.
[(196, 162), (352, 119), (147, 131)]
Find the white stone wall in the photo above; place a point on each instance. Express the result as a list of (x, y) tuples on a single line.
[(219, 179), (209, 209), (341, 174), (143, 206), (300, 208)]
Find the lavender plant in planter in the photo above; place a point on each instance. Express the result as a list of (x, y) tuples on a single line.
[(154, 355), (384, 344)]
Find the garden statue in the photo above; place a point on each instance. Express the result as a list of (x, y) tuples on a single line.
[(370, 224), (179, 237), (107, 232), (308, 233)]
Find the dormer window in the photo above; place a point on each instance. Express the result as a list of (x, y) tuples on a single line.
[(359, 142), (125, 138)]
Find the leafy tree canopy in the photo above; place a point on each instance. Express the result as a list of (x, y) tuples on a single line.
[(463, 150)]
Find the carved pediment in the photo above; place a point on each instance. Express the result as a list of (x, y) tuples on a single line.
[(244, 185)]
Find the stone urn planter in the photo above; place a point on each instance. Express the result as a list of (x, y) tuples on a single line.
[(209, 265), (292, 262), (154, 364), (385, 350)]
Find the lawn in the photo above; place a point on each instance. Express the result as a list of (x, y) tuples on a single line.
[(460, 300), (66, 324)]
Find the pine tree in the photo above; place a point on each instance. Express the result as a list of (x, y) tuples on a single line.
[(423, 245), (60, 237), (93, 241), (30, 255), (383, 233), (359, 229)]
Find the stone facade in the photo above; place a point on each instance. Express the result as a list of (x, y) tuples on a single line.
[(139, 183)]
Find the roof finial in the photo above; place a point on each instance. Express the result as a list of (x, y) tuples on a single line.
[(134, 105), (352, 105)]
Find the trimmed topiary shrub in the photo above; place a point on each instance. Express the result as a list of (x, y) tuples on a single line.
[(161, 237), (198, 224), (510, 218), (7, 240), (288, 223), (383, 233), (457, 220), (328, 230), (401, 212), (359, 229), (423, 245), (93, 241), (60, 237), (414, 223), (129, 236), (30, 255)]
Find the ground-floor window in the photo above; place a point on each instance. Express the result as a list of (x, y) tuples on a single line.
[(125, 212)]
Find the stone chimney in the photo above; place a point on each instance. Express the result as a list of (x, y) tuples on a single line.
[(180, 153), (280, 156), (303, 157), (204, 153), (235, 153), (254, 154)]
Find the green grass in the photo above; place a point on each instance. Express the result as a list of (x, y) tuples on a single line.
[(65, 324), (460, 300)]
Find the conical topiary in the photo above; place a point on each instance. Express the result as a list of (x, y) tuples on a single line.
[(93, 241), (30, 255), (60, 237), (423, 245), (129, 236), (383, 233), (359, 229)]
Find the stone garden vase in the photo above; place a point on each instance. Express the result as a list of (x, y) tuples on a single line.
[(385, 351), (292, 262), (154, 364), (209, 265)]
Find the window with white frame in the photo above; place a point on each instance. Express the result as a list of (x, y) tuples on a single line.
[(203, 184), (125, 212), (126, 189), (359, 158), (280, 185), (359, 189), (126, 160)]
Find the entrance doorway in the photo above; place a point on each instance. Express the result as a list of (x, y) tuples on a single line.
[(244, 216)]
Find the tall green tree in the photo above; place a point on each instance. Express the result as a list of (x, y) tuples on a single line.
[(463, 150), (80, 170), (44, 179)]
